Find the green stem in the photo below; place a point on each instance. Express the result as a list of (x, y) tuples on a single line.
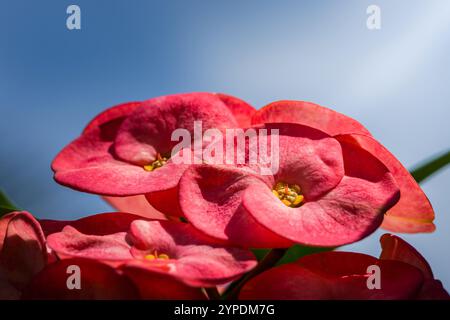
[(267, 262), (428, 168)]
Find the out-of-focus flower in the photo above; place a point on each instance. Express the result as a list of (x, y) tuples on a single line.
[(30, 270), (404, 274), (164, 247), (327, 192), (99, 281), (22, 252), (413, 213), (395, 248)]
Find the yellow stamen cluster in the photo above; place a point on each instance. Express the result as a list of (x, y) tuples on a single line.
[(289, 194), (158, 163), (155, 255)]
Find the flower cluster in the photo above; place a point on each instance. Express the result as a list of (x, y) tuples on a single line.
[(187, 230)]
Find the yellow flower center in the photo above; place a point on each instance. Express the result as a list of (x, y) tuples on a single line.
[(158, 163), (155, 255), (289, 194)]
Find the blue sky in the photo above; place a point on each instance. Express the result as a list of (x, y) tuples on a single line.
[(53, 81)]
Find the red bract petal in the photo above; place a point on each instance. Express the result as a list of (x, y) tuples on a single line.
[(71, 243), (241, 110), (334, 275), (98, 281), (211, 199), (347, 213), (98, 224), (136, 205), (112, 117), (413, 213), (157, 285), (166, 201), (22, 248), (309, 114), (394, 248)]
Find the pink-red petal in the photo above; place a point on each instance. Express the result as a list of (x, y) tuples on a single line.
[(309, 114), (71, 243), (136, 205), (413, 213), (112, 117), (241, 110), (165, 201), (97, 224)]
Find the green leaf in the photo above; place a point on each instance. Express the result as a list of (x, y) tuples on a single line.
[(431, 166), (297, 251), (292, 254), (6, 205), (260, 253)]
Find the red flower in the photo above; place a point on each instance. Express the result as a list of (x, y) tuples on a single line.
[(327, 192), (404, 274), (164, 247), (413, 213), (22, 252), (125, 150)]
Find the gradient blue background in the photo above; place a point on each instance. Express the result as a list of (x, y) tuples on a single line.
[(53, 81)]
